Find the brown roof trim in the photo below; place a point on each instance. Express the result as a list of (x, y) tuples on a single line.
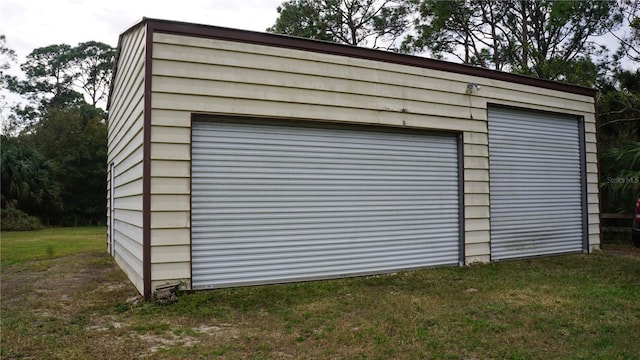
[(146, 166), (276, 40)]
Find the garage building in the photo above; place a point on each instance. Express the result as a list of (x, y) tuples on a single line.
[(241, 158)]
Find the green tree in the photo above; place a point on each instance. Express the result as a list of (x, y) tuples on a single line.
[(629, 41), (549, 39), (74, 139), (620, 177), (619, 141), (60, 76), (48, 72), (92, 64), (300, 18), (28, 179), (467, 30), (370, 23), (69, 133), (7, 58), (48, 83)]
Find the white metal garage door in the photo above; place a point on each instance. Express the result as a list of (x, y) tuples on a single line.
[(536, 183), (278, 203)]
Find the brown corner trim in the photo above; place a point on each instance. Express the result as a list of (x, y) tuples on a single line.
[(289, 42), (461, 213), (583, 184), (191, 201), (146, 166)]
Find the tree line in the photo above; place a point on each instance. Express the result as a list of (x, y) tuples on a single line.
[(54, 141)]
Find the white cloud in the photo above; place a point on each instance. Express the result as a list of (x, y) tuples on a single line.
[(29, 24)]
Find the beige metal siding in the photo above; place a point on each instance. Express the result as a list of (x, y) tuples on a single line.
[(592, 181), (125, 152), (200, 75), (170, 197)]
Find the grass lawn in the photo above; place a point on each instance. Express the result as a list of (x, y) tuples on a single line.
[(19, 246), (71, 303)]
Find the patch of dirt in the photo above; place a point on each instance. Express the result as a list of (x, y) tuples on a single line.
[(83, 307), (220, 331), (63, 288), (57, 308), (621, 250), (203, 333), (163, 341), (105, 323)]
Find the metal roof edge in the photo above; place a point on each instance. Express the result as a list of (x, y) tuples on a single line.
[(291, 42)]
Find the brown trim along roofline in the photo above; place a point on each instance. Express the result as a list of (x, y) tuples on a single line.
[(146, 165), (290, 42)]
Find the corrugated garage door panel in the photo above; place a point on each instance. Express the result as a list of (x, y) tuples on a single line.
[(535, 183), (278, 203)]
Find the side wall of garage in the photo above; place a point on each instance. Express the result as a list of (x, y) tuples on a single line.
[(219, 77), (125, 156)]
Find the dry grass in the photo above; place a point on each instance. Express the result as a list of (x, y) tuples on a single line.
[(578, 306)]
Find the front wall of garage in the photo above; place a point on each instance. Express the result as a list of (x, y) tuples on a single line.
[(208, 76)]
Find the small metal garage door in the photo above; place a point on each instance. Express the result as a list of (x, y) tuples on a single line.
[(276, 203), (536, 183)]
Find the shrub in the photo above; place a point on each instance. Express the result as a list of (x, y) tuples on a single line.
[(15, 220)]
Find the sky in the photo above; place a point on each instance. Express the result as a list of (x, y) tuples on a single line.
[(29, 24)]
